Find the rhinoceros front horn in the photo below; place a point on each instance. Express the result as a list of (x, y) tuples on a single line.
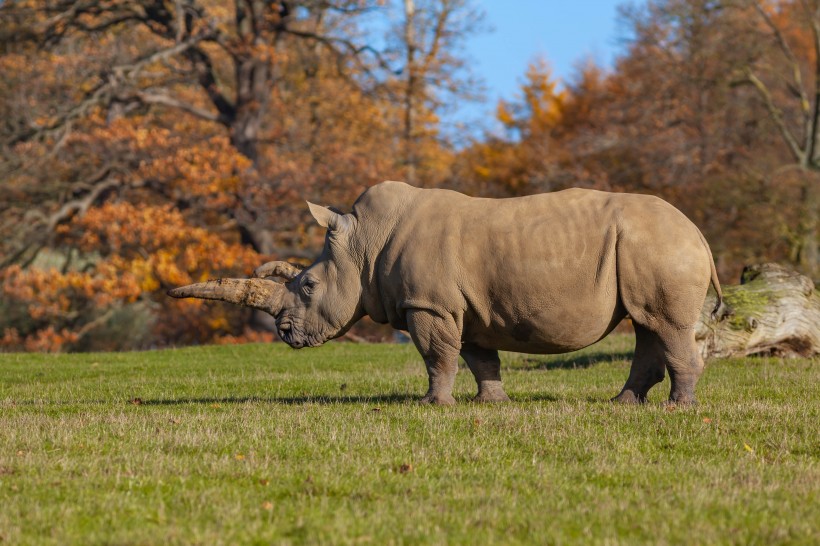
[(260, 294)]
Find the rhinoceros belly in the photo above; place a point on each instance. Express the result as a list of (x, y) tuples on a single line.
[(553, 316), (547, 331)]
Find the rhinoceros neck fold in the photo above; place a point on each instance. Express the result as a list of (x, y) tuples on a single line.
[(378, 220), (259, 294)]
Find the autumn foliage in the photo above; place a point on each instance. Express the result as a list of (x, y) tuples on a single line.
[(147, 144)]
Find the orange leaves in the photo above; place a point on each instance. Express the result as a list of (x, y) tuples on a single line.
[(128, 229), (50, 294), (135, 251), (156, 244), (247, 336), (47, 340), (164, 151)]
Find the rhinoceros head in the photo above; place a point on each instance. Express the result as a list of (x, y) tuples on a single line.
[(314, 304)]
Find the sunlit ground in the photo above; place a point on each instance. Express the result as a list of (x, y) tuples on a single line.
[(260, 443)]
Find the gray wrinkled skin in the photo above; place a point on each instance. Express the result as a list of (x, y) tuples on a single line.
[(548, 273)]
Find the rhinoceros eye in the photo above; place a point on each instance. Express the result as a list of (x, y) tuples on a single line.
[(309, 285)]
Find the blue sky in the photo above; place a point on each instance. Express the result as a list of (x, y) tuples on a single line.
[(563, 32)]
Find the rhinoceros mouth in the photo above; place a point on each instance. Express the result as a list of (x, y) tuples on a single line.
[(294, 335)]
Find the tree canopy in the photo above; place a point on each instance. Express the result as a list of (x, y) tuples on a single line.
[(151, 143)]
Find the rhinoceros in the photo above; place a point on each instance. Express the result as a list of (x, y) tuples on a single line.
[(543, 274)]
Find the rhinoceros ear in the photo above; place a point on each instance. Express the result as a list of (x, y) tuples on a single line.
[(328, 218)]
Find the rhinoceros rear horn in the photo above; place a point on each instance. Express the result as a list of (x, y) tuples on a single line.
[(260, 294), (278, 269), (330, 219)]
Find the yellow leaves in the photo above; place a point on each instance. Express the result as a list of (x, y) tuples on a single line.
[(167, 268), (218, 322), (142, 269), (503, 114), (540, 107), (531, 149)]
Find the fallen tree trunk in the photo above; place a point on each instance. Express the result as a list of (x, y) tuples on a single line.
[(774, 311)]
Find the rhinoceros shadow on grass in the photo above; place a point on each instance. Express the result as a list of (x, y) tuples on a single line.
[(542, 274), (286, 400), (572, 362), (321, 399)]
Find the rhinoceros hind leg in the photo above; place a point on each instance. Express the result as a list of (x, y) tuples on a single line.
[(684, 363), (486, 368), (438, 340), (647, 367)]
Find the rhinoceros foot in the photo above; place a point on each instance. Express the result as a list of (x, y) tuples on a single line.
[(683, 401), (491, 391), (629, 397), (437, 399)]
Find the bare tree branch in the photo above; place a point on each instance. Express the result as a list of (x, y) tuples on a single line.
[(797, 75), (775, 113), (167, 100), (100, 183), (811, 137), (438, 35), (41, 227), (103, 91)]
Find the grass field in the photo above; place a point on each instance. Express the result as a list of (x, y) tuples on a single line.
[(263, 444)]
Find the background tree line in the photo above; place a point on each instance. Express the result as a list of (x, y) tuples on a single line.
[(146, 144)]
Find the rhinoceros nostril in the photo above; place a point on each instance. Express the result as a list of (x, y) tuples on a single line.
[(285, 327)]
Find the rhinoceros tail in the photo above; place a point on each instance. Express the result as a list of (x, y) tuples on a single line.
[(721, 309)]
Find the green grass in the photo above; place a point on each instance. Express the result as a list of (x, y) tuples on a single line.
[(263, 444)]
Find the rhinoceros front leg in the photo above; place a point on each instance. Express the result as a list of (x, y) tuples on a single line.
[(438, 340), (486, 367)]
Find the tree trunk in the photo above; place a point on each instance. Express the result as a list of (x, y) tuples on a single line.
[(410, 91), (809, 253), (774, 311)]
